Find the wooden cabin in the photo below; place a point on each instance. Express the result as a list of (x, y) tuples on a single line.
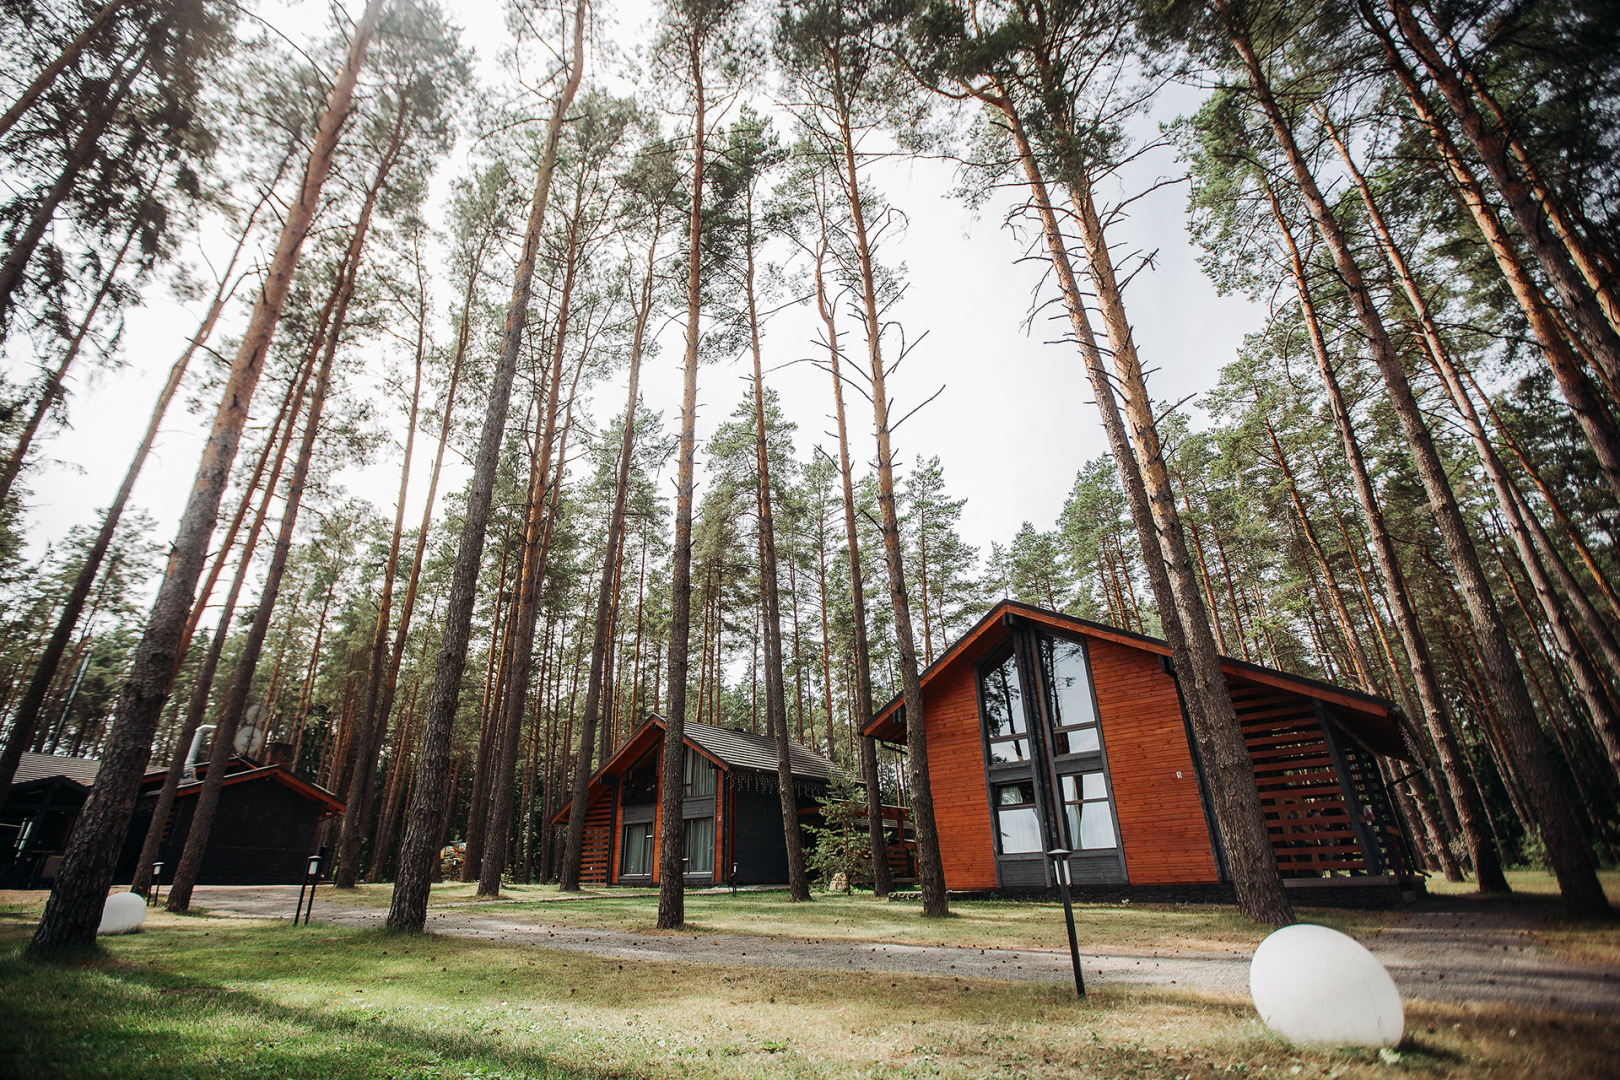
[(265, 827), (731, 810), (1047, 732), (38, 814)]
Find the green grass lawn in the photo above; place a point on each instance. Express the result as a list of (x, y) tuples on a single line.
[(210, 998)]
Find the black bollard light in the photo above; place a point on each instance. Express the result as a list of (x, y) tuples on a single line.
[(1060, 865), (157, 885), (312, 877)]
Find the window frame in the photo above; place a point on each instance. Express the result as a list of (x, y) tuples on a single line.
[(646, 847), (1025, 643)]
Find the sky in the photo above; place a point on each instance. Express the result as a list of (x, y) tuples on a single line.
[(1012, 425)]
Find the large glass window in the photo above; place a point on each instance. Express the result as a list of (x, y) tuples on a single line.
[(699, 775), (1016, 820), (1085, 803), (700, 845), (636, 855), (1004, 712), (1073, 713)]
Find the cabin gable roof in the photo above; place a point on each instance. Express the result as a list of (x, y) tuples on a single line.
[(727, 748), (81, 771), (1373, 720)]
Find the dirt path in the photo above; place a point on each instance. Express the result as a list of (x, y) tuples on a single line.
[(1443, 952)]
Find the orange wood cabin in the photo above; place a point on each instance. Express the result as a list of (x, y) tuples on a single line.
[(1048, 732), (730, 806)]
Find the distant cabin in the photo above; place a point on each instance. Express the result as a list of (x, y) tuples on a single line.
[(39, 810), (265, 826), (1048, 732), (731, 813)]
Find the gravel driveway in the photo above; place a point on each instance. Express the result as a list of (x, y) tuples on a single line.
[(1440, 952)]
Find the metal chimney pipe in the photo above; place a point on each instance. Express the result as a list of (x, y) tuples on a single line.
[(190, 771)]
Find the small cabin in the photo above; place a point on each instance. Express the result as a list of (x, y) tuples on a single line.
[(731, 812), (1048, 732), (46, 796), (265, 827)]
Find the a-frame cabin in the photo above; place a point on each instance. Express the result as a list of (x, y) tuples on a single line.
[(1048, 732), (730, 806)]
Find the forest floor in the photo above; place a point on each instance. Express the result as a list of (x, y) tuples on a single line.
[(506, 989)]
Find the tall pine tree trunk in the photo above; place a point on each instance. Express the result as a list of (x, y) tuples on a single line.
[(930, 870), (575, 844), (1436, 715), (882, 877), (1239, 819), (74, 910), (775, 692), (241, 685), (671, 838), (419, 849)]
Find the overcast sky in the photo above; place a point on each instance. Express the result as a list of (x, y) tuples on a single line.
[(1012, 427)]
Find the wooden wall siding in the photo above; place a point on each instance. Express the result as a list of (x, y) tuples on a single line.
[(1310, 827), (597, 847), (1161, 816), (956, 773)]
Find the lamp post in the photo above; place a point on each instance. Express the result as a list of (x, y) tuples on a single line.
[(157, 885), (1060, 865), (312, 877)]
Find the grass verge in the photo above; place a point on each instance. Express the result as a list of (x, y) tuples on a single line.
[(220, 998)]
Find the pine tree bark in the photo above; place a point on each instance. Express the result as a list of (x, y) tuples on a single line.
[(545, 500), (74, 909), (197, 707), (373, 719), (1437, 717), (241, 685), (930, 870)]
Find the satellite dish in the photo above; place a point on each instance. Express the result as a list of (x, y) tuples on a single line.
[(250, 736)]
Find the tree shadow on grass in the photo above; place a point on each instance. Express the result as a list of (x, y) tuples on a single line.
[(95, 1015)]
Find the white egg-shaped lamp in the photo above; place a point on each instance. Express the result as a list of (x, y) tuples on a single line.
[(124, 914), (1315, 986)]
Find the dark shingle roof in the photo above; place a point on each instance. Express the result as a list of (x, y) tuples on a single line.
[(39, 766), (742, 750)]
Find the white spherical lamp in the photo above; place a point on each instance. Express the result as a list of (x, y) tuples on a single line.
[(1315, 986), (124, 914)]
